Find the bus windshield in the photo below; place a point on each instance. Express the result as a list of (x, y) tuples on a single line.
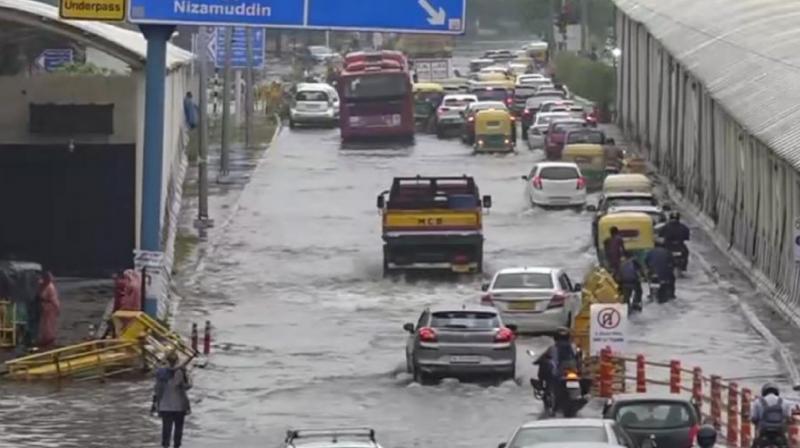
[(376, 86)]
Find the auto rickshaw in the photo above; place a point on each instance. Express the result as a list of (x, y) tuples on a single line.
[(634, 165), (627, 183), (592, 161), (427, 98), (636, 229), (494, 131)]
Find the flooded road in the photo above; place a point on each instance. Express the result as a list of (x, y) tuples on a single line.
[(309, 333)]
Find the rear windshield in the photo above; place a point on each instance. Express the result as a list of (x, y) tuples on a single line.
[(559, 173), (657, 415), (523, 280), (481, 107), (529, 437), (563, 127), (430, 97), (621, 202), (376, 86), (465, 319), (524, 92), (490, 95), (542, 120), (586, 137), (311, 96), (454, 102), (538, 100)]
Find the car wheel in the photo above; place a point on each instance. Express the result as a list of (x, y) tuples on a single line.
[(569, 320), (439, 134), (422, 378), (292, 124), (570, 409), (409, 366)]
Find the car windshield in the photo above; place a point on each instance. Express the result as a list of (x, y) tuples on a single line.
[(471, 320), (542, 120), (458, 102), (311, 96), (430, 97), (494, 94), (655, 415), (628, 201), (524, 92), (596, 138), (530, 437), (559, 173), (537, 100), (523, 280), (376, 87)]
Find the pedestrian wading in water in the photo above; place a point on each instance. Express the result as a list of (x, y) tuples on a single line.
[(171, 401)]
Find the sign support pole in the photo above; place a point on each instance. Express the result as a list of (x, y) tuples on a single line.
[(226, 104), (202, 131), (155, 78), (248, 96)]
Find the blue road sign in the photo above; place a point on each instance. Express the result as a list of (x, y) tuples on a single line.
[(415, 16), (53, 58), (238, 47)]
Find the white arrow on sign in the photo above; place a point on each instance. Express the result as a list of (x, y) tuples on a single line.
[(434, 17)]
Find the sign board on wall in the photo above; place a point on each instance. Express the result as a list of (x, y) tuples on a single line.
[(417, 16), (432, 69), (95, 10), (608, 328)]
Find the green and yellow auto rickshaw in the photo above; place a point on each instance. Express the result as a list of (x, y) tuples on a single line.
[(591, 159), (627, 183), (636, 229), (494, 131), (427, 98)]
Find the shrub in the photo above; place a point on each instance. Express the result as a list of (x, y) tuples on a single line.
[(592, 80)]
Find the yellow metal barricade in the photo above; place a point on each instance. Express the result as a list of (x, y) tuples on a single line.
[(8, 324)]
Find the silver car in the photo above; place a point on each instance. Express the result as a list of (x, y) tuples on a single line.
[(459, 342), (569, 432)]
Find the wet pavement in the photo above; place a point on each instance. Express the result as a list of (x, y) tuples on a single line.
[(308, 332)]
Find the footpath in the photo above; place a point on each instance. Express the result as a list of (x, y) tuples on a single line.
[(780, 336)]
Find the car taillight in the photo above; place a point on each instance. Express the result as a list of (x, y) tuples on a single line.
[(509, 101), (557, 301), (571, 375), (427, 334), (504, 335), (526, 112), (693, 435), (486, 299), (537, 182), (460, 259), (581, 183), (471, 119)]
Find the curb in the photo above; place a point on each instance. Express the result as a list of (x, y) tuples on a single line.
[(761, 285)]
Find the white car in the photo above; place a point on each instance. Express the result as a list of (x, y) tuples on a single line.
[(314, 103), (536, 300), (321, 53), (331, 438), (538, 131), (533, 79), (557, 184), (570, 432), (450, 114)]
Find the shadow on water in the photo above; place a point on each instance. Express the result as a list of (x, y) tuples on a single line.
[(378, 147), (436, 277)]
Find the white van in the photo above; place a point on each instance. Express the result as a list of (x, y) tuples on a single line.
[(314, 104)]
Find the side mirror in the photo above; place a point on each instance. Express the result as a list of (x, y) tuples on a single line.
[(487, 201), (512, 327), (531, 353), (524, 177), (381, 203), (591, 208), (485, 287), (610, 141), (457, 73), (502, 445), (666, 207), (409, 327), (577, 287)]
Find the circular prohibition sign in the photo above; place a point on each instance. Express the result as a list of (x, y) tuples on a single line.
[(609, 318)]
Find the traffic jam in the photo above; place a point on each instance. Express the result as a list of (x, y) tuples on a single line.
[(447, 235)]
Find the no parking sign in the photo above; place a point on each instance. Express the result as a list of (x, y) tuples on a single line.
[(608, 327)]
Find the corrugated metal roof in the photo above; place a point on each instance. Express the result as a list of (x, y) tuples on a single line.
[(746, 54), (129, 45)]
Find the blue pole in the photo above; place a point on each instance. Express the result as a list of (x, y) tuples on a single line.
[(155, 79)]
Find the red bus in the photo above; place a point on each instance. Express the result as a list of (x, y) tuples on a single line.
[(376, 99)]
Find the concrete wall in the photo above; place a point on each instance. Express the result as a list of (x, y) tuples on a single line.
[(18, 91), (751, 195)]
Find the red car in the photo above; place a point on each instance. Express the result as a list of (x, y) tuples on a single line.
[(556, 134)]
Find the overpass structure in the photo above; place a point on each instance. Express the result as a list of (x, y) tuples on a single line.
[(710, 91)]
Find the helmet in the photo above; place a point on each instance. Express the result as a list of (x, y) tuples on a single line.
[(675, 216), (562, 334), (706, 436), (769, 388)]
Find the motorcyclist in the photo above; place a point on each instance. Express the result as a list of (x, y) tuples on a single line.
[(563, 355), (661, 265), (770, 413), (630, 280), (676, 234)]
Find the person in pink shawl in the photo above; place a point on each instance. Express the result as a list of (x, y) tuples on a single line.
[(51, 307)]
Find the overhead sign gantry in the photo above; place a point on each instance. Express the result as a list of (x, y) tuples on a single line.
[(413, 16)]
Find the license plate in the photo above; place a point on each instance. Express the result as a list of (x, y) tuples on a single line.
[(461, 268), (524, 306), (573, 385), (465, 359)]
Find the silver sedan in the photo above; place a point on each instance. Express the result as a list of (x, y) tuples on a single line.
[(459, 342)]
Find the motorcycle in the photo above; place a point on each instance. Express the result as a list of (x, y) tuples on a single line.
[(772, 439), (681, 259), (568, 395)]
